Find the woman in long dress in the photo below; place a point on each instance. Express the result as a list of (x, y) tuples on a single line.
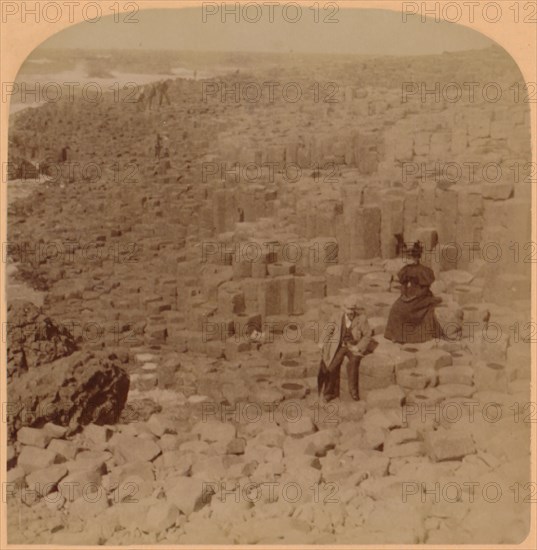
[(412, 319)]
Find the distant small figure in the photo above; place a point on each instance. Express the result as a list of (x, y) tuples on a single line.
[(195, 75), (257, 338), (152, 94), (140, 100), (163, 89), (158, 146), (64, 156)]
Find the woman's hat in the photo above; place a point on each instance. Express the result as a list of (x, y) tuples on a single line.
[(413, 250)]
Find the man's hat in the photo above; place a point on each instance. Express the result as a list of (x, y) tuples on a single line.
[(352, 302)]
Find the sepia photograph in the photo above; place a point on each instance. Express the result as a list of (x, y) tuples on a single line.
[(267, 274)]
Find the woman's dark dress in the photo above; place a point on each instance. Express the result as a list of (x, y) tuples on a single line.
[(412, 319)]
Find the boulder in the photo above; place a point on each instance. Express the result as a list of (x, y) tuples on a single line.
[(177, 462), (15, 477), (129, 448), (215, 432), (300, 427), (189, 494), (434, 358), (161, 517), (316, 444), (33, 339), (160, 425), (456, 375), (32, 459), (85, 508), (34, 437), (44, 481), (390, 397), (72, 391), (54, 430), (236, 446), (80, 484), (65, 449), (95, 437), (448, 445)]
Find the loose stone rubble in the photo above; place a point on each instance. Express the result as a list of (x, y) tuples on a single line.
[(170, 423)]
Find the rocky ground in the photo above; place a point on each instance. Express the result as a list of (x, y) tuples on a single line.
[(141, 410)]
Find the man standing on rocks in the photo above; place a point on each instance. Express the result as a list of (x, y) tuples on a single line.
[(64, 155), (163, 89), (140, 100), (347, 335), (158, 146), (152, 95)]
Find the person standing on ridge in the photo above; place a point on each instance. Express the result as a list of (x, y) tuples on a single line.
[(163, 89)]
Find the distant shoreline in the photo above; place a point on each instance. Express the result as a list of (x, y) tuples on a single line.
[(79, 76)]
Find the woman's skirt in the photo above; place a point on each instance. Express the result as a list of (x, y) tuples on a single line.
[(413, 322)]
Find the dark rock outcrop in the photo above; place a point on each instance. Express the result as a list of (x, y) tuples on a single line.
[(73, 391), (33, 339)]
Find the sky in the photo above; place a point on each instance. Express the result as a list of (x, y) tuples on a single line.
[(379, 32)]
